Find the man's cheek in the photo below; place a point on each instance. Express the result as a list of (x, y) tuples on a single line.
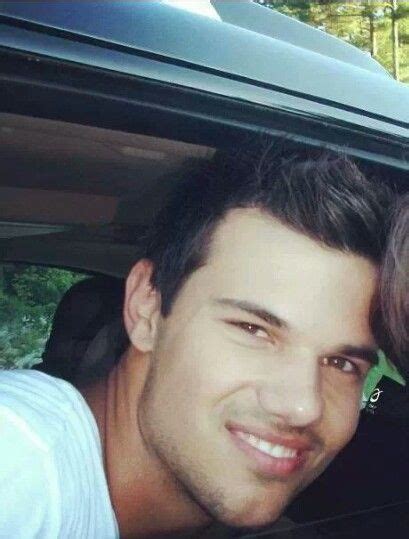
[(340, 418), (342, 429)]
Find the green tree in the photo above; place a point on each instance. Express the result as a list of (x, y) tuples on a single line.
[(379, 28), (29, 296)]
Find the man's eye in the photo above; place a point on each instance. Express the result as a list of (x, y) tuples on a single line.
[(252, 329), (342, 364)]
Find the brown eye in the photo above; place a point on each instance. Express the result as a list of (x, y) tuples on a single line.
[(252, 329), (342, 364)]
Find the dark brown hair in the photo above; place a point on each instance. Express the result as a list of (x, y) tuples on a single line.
[(395, 283), (319, 193)]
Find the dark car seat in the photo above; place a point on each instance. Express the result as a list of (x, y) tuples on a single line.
[(373, 470), (87, 335)]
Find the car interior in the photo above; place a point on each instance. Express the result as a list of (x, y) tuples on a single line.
[(80, 197)]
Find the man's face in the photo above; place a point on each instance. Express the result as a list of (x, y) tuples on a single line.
[(256, 375)]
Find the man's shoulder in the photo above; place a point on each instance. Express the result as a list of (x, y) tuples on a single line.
[(42, 405), (50, 452)]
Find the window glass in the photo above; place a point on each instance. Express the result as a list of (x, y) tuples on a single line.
[(29, 296)]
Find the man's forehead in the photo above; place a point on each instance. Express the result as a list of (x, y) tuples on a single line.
[(249, 241), (255, 229), (254, 258)]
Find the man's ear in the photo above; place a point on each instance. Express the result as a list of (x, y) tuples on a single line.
[(141, 306)]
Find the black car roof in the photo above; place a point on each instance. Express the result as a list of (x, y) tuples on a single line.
[(304, 68)]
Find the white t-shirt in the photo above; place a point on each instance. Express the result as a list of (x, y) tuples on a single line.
[(52, 480)]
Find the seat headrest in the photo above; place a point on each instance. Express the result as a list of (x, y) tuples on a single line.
[(86, 307)]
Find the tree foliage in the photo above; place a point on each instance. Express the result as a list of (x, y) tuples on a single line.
[(29, 296), (366, 24)]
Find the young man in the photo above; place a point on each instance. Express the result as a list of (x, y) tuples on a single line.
[(250, 341)]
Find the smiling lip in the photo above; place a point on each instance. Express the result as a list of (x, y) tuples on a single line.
[(291, 453)]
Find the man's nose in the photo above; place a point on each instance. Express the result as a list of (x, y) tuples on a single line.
[(293, 394)]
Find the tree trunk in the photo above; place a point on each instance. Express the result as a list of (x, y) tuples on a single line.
[(395, 40), (372, 34)]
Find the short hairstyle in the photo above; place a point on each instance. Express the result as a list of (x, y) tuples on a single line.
[(319, 193), (395, 283)]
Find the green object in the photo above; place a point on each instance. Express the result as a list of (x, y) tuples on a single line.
[(383, 368)]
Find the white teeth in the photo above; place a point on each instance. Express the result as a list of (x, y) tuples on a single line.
[(277, 451)]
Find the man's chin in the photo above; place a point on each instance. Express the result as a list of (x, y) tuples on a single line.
[(255, 517)]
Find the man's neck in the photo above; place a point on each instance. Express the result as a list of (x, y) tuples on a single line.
[(147, 499)]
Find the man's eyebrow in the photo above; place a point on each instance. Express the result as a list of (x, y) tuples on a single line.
[(256, 310), (366, 353)]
